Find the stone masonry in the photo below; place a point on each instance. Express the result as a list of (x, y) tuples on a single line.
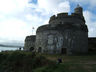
[(29, 43)]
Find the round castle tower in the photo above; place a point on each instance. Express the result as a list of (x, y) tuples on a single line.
[(66, 34), (29, 44)]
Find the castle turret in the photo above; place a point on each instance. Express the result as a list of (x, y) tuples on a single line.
[(78, 10), (65, 34)]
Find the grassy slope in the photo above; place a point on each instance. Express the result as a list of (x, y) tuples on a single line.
[(29, 62), (70, 64), (68, 68)]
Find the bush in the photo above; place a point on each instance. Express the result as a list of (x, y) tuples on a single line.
[(19, 61)]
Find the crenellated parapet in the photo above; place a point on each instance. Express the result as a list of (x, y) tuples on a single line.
[(66, 16), (76, 17), (61, 15), (30, 38), (52, 17)]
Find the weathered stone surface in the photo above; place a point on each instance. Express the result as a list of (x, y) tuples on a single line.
[(30, 43)]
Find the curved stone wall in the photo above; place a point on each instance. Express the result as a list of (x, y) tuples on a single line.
[(54, 40), (50, 41), (77, 42), (64, 20), (29, 43)]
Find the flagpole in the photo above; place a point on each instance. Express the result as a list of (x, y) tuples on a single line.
[(32, 30)]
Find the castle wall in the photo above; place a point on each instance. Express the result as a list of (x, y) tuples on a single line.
[(92, 44), (76, 42), (29, 44), (50, 41), (64, 20)]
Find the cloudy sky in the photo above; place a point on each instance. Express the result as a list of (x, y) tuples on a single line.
[(18, 17)]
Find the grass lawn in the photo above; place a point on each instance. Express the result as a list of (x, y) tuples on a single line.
[(70, 64)]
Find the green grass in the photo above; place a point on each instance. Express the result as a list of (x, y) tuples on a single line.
[(19, 61), (68, 68), (70, 64)]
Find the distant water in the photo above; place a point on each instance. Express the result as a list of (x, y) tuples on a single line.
[(8, 49)]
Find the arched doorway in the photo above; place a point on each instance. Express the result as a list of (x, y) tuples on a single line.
[(31, 49), (39, 49), (63, 50)]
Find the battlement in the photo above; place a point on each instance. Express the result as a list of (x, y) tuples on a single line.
[(53, 17), (76, 15), (62, 15), (30, 38), (65, 15)]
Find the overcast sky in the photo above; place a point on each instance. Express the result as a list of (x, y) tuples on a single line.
[(17, 17)]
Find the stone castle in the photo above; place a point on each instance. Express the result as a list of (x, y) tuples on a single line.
[(65, 34)]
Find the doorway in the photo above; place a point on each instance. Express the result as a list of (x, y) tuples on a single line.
[(63, 50), (31, 48), (39, 49)]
